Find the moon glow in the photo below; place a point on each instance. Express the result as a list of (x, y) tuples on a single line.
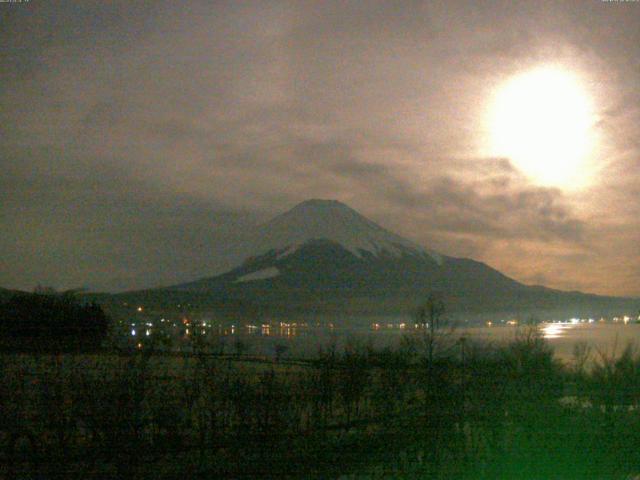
[(542, 121)]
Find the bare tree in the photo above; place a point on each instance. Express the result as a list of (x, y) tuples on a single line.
[(430, 316), (280, 349), (240, 347)]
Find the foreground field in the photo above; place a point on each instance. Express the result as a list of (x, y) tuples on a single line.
[(423, 409)]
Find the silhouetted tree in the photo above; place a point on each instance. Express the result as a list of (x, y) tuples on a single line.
[(280, 349), (430, 316), (240, 347), (51, 322)]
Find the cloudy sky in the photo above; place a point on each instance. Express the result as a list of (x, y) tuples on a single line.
[(140, 140)]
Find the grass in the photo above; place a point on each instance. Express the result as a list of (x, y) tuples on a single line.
[(506, 411)]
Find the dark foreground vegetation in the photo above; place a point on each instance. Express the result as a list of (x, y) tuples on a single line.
[(46, 321), (423, 410)]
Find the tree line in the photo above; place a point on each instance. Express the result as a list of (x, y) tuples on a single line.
[(50, 321), (505, 411)]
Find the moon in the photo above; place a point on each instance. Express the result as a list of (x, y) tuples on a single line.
[(542, 120)]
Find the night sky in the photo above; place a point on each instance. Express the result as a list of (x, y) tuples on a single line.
[(140, 140)]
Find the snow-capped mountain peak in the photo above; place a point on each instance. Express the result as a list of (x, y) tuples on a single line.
[(334, 221)]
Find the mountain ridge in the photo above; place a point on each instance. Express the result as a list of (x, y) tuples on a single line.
[(330, 219), (322, 254)]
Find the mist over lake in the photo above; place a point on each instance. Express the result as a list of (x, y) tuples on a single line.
[(603, 339)]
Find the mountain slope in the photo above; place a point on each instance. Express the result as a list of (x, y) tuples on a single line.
[(324, 256), (322, 244), (5, 294), (335, 221)]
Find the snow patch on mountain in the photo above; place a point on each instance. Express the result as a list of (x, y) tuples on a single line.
[(334, 221), (259, 275)]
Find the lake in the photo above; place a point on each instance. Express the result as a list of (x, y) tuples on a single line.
[(603, 338)]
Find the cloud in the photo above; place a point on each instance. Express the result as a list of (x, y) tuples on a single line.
[(129, 125), (490, 199), (105, 230)]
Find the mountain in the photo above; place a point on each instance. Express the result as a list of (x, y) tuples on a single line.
[(5, 294), (334, 221), (323, 256)]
